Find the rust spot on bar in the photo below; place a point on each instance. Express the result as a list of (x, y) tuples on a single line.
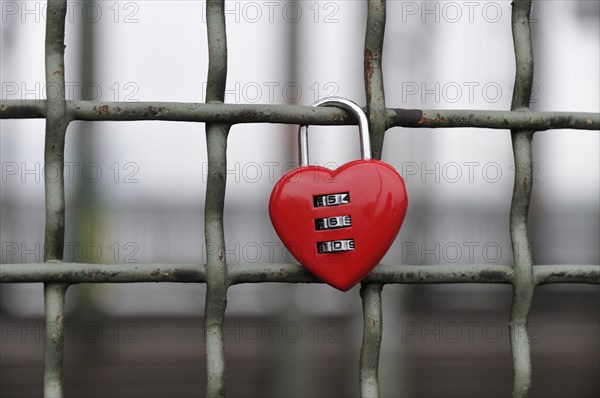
[(103, 110), (369, 70), (437, 120), (151, 111), (155, 272), (335, 118), (525, 185)]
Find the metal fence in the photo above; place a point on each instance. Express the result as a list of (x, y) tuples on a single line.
[(219, 117)]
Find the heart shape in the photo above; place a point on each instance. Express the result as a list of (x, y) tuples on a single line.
[(310, 205)]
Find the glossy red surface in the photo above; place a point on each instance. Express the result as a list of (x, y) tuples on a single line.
[(378, 204)]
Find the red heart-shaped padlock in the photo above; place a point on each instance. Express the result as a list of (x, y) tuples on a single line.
[(363, 202)]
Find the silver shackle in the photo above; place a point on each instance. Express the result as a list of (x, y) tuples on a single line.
[(363, 128)]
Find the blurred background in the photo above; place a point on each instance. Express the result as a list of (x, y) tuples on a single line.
[(135, 194)]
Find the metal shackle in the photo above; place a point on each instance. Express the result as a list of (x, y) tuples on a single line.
[(363, 128)]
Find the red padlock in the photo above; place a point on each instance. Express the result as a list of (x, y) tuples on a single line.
[(339, 223)]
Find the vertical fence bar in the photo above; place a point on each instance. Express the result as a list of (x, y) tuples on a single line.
[(216, 141), (371, 342), (374, 75), (54, 305), (56, 127), (371, 293), (523, 281)]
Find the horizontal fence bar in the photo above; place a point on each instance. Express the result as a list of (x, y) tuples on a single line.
[(101, 273), (528, 120), (290, 273), (383, 273), (566, 274), (297, 114)]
